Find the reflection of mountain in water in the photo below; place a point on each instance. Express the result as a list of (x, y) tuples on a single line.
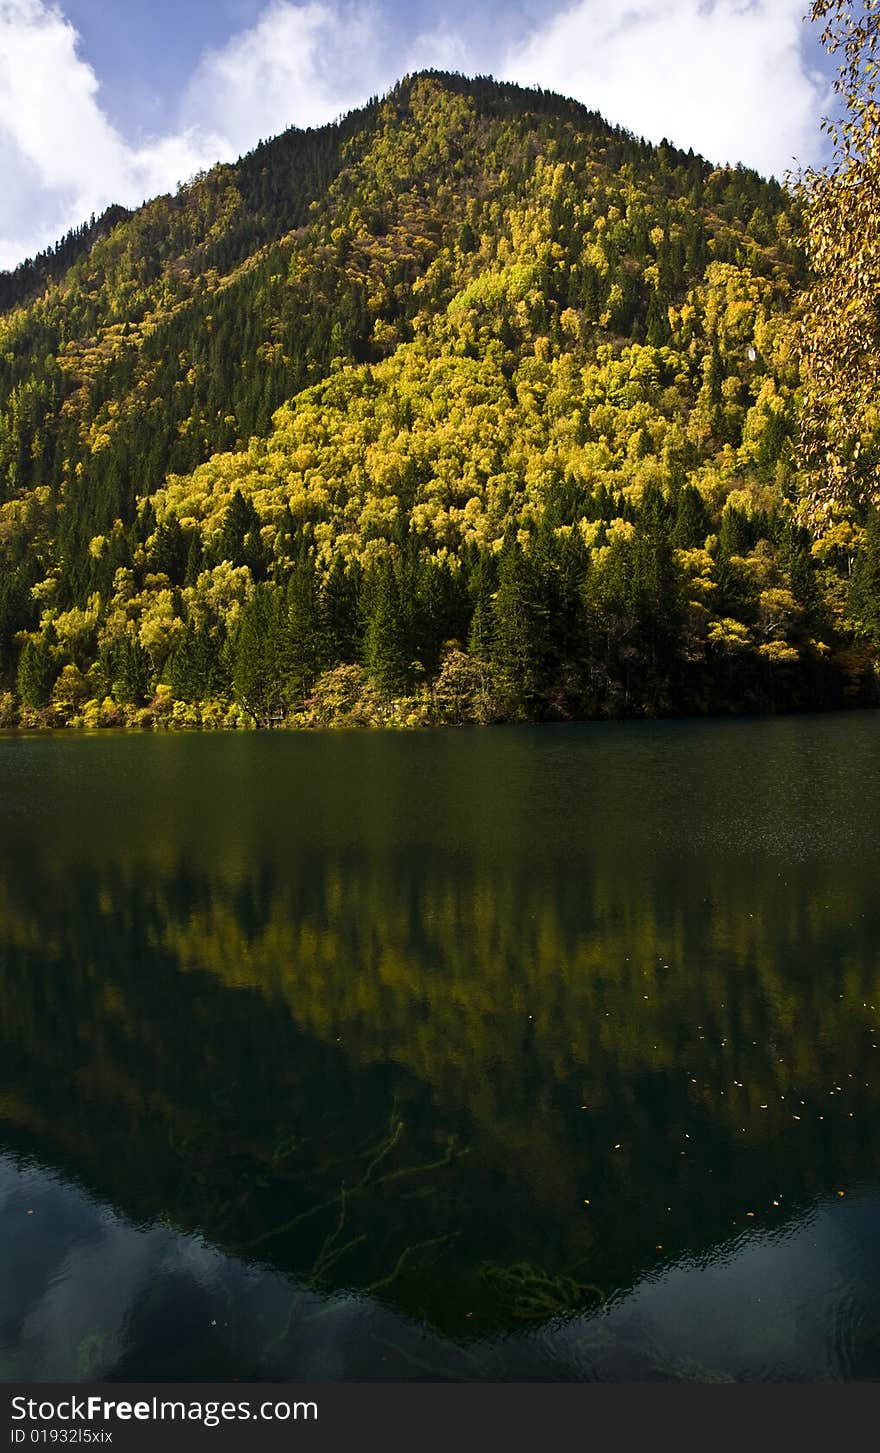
[(306, 1050), (483, 1036), (88, 1295)]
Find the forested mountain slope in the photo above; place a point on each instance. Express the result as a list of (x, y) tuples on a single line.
[(468, 407)]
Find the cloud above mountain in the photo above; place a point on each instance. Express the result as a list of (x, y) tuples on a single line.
[(60, 157), (729, 77)]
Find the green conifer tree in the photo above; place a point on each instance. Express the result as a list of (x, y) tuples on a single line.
[(37, 669), (260, 655), (520, 625), (305, 643), (385, 645), (131, 672)]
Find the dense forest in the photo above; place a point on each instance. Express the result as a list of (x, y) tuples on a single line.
[(467, 408)]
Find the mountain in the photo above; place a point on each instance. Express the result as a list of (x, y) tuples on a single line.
[(467, 407)]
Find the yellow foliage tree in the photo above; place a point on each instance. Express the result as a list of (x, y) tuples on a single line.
[(840, 334)]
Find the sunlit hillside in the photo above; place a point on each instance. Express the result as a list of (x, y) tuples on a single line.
[(468, 408)]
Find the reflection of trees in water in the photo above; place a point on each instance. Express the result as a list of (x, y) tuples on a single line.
[(150, 1303), (343, 1209), (409, 1073)]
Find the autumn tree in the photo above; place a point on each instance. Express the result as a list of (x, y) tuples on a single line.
[(840, 333), (470, 407)]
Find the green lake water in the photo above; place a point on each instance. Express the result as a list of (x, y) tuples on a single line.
[(543, 1053)]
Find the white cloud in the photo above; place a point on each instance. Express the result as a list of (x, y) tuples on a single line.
[(306, 64), (442, 49), (302, 64), (61, 157), (727, 77)]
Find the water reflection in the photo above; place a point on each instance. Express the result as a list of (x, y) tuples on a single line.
[(492, 1041), (88, 1295)]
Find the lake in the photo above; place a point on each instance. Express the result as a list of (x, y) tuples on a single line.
[(543, 1053)]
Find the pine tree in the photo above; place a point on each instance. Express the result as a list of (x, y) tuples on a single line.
[(481, 586), (305, 644), (239, 523), (340, 607), (386, 645), (195, 671), (37, 670), (131, 672), (691, 524), (194, 559), (260, 655), (736, 535), (169, 551), (520, 626)]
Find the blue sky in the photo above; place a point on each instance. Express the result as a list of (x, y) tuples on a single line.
[(115, 100)]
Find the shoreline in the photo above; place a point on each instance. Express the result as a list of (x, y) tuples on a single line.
[(294, 726)]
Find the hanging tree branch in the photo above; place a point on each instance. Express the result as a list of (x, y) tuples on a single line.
[(840, 329)]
